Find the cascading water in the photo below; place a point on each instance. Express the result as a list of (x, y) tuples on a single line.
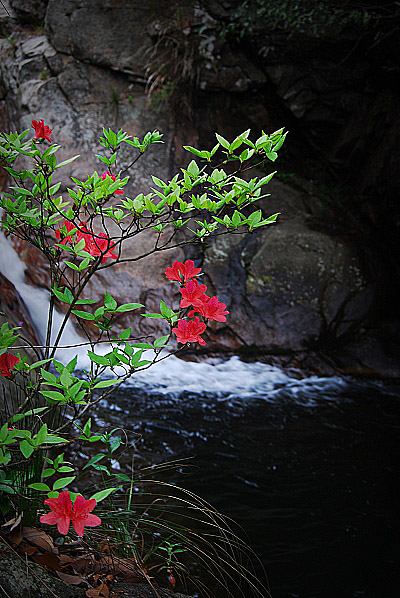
[(306, 466), (36, 300)]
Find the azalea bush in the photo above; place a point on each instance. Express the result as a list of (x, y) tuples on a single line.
[(47, 403)]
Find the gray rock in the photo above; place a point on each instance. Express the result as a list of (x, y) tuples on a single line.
[(20, 578), (29, 11), (286, 284)]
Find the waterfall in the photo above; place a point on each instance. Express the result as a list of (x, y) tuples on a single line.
[(37, 301)]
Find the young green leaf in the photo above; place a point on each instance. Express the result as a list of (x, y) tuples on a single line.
[(99, 496)]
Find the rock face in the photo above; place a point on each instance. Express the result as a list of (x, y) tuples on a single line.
[(290, 288), (287, 285), (20, 579)]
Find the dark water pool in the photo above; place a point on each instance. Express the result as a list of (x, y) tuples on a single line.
[(311, 476)]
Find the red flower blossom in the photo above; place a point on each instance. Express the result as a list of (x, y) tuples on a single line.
[(42, 131), (192, 293), (100, 245), (7, 363), (95, 245), (63, 512), (105, 175), (181, 271), (60, 233), (188, 331), (210, 308)]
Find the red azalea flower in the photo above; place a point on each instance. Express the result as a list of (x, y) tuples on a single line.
[(192, 293), (100, 245), (63, 512), (105, 175), (181, 271), (68, 227), (211, 308), (42, 131), (7, 363), (188, 331), (82, 516), (95, 245)]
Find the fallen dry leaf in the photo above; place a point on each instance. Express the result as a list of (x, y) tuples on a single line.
[(48, 559), (39, 538), (73, 579), (27, 549), (65, 560), (85, 564), (99, 592)]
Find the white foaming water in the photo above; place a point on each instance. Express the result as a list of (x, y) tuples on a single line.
[(225, 379), (231, 379)]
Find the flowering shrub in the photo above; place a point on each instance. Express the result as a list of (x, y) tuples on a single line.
[(49, 401)]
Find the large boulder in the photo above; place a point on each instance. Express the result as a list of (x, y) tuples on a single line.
[(287, 285)]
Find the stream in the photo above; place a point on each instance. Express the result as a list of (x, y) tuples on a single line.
[(306, 467)]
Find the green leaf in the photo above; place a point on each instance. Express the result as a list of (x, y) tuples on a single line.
[(165, 310), (53, 395), (80, 245), (83, 314), (48, 472), (41, 435), (54, 439), (125, 334), (71, 265), (279, 143), (48, 376), (62, 482), (99, 359), (94, 460), (109, 302), (4, 432), (85, 301), (87, 427), (67, 161), (26, 448), (105, 383), (193, 169), (39, 486), (37, 364), (99, 496), (21, 434), (142, 346), (128, 307), (222, 141), (161, 342), (193, 150), (84, 264)]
